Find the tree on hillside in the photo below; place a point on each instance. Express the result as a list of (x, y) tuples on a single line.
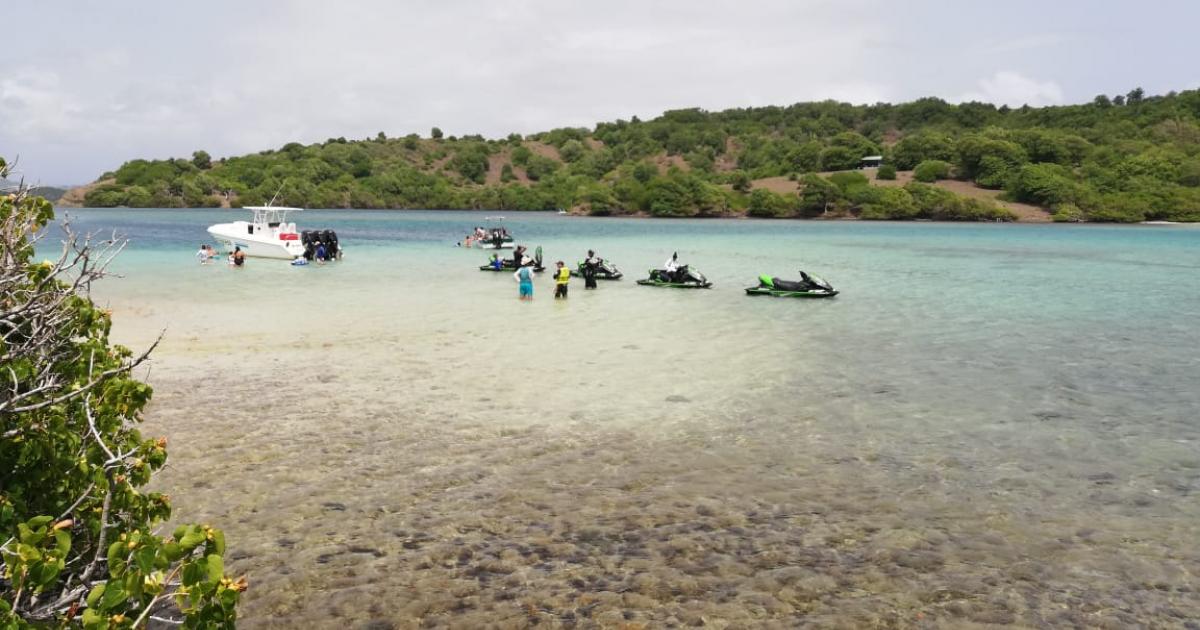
[(571, 150), (80, 544), (739, 181), (817, 193), (202, 160), (840, 159), (435, 133)]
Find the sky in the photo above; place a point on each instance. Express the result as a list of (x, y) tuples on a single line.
[(87, 85)]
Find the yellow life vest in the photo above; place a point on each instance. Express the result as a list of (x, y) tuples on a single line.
[(563, 275)]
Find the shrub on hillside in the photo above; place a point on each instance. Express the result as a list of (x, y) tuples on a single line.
[(767, 204), (930, 171), (886, 171), (849, 179), (916, 148), (1043, 184), (1067, 213)]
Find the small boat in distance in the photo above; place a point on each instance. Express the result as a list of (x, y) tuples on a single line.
[(266, 235), (496, 236)]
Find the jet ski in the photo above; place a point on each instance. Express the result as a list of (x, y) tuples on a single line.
[(682, 278), (808, 286), (506, 264), (606, 271)]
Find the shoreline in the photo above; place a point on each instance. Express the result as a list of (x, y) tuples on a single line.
[(647, 216)]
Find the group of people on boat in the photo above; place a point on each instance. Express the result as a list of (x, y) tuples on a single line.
[(495, 236)]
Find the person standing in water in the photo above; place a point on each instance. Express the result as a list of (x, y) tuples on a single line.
[(239, 257), (202, 255), (524, 276), (590, 266), (562, 276)]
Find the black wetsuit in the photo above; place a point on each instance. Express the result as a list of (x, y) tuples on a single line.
[(589, 273)]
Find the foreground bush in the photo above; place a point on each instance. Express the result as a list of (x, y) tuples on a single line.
[(78, 542)]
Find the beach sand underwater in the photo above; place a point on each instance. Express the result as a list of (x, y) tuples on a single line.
[(991, 425)]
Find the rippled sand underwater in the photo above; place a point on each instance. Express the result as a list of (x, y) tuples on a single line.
[(422, 450)]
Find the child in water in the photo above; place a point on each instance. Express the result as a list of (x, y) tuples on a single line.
[(524, 276)]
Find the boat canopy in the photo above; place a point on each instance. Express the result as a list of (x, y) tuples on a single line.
[(270, 214)]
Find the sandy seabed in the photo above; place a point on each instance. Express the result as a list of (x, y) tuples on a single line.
[(346, 509)]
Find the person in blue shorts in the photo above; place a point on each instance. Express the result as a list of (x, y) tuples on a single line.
[(524, 276)]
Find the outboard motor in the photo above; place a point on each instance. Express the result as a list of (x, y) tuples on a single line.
[(331, 244), (306, 240)]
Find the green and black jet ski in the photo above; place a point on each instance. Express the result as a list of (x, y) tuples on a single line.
[(507, 264), (682, 278), (605, 271), (808, 286)]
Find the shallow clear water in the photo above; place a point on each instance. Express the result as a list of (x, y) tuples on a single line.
[(993, 424)]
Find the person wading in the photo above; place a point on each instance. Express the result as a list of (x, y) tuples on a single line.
[(524, 276), (590, 266), (562, 276)]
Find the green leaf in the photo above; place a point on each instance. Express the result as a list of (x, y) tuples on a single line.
[(64, 541), (115, 554), (145, 559), (40, 521), (93, 620), (218, 542), (192, 539), (93, 597), (114, 595), (193, 572), (216, 567), (172, 551), (228, 598)]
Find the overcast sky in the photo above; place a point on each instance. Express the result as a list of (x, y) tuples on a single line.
[(86, 85)]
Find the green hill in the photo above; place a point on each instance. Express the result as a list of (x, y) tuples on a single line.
[(51, 193), (1126, 158)]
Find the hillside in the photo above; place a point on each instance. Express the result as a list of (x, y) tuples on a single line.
[(51, 193), (1128, 158)]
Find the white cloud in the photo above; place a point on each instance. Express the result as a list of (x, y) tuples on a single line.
[(125, 78), (1014, 90)]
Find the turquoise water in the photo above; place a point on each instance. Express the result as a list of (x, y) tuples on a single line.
[(991, 424)]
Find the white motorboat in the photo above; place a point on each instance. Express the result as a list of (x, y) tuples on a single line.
[(266, 235), (497, 236)]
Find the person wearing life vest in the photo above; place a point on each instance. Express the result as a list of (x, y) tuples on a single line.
[(562, 275)]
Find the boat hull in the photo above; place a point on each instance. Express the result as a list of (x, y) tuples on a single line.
[(817, 293), (255, 245)]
